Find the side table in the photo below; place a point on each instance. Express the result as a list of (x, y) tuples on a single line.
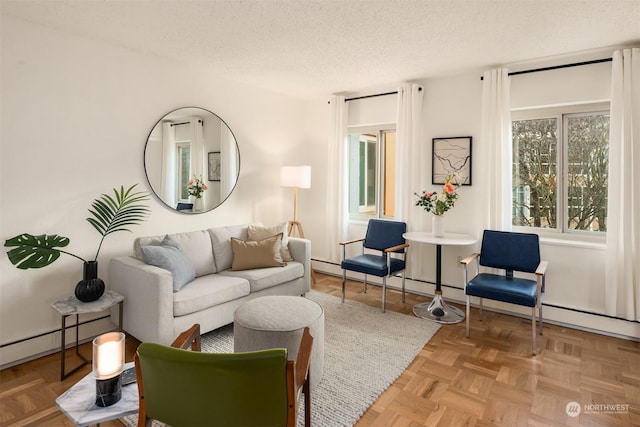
[(79, 402), (438, 310), (73, 305)]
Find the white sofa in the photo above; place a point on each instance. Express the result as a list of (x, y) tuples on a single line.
[(153, 312)]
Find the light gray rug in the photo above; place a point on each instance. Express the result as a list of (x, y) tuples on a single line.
[(365, 351)]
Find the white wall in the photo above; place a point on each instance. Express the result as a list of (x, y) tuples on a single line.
[(452, 107), (75, 117)]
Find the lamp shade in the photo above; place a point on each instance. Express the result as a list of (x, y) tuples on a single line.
[(108, 355), (295, 176)]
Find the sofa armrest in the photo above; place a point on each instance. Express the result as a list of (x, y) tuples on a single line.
[(301, 251), (148, 299)]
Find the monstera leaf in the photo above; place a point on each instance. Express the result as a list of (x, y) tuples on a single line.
[(36, 251)]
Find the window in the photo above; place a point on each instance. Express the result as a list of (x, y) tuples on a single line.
[(184, 169), (372, 162), (560, 165)]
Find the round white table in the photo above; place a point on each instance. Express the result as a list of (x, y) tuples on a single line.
[(438, 310)]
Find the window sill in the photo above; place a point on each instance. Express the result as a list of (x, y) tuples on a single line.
[(574, 243)]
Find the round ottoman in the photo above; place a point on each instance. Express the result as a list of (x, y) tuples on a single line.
[(278, 322)]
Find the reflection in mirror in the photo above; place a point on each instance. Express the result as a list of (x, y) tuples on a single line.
[(191, 152)]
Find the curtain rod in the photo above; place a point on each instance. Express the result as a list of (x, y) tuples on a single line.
[(186, 123), (556, 67), (395, 92)]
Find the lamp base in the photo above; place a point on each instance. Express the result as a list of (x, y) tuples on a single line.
[(108, 391)]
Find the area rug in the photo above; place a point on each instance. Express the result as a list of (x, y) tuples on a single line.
[(365, 351)]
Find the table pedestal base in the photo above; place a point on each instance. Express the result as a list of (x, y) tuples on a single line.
[(439, 311)]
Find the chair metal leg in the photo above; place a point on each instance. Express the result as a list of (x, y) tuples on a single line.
[(468, 313), (481, 309), (365, 283), (533, 327), (540, 318), (344, 279), (384, 292), (403, 277)]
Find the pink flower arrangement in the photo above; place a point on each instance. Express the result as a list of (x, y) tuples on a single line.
[(436, 203), (196, 187)]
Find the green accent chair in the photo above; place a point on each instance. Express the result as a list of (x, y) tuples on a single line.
[(189, 388)]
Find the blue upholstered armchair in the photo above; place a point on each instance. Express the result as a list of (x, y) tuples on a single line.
[(511, 252), (385, 239)]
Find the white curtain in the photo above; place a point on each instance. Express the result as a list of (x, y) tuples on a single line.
[(410, 157), (411, 169), (622, 293), (496, 144), (168, 174), (337, 198)]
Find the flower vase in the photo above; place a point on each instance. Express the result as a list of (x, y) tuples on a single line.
[(91, 287), (197, 205), (437, 225)]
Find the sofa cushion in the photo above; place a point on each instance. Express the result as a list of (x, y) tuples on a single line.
[(221, 243), (263, 278), (256, 232), (169, 256), (208, 291), (264, 253), (195, 244)]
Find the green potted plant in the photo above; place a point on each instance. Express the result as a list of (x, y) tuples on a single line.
[(109, 215)]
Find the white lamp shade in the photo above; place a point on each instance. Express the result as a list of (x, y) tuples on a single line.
[(108, 355), (295, 176)]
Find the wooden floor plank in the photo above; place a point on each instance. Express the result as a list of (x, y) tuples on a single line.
[(489, 379)]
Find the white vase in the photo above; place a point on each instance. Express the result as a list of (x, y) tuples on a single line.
[(197, 205), (437, 225)]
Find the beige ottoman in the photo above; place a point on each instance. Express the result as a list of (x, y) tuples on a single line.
[(278, 322)]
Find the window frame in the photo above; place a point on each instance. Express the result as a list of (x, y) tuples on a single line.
[(561, 113), (379, 129)]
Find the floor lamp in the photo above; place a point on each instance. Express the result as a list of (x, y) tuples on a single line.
[(296, 177)]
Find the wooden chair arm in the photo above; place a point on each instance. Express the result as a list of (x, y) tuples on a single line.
[(396, 248), (542, 268), (469, 259), (348, 242), (303, 360), (189, 338)]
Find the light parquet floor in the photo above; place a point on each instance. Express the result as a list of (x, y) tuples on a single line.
[(490, 379)]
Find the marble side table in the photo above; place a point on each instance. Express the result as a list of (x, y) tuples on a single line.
[(79, 402), (73, 305)]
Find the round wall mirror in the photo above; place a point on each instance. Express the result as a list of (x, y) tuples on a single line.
[(192, 160)]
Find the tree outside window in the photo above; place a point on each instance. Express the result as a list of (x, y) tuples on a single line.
[(560, 164)]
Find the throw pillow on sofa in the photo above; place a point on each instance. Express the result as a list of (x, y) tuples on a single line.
[(258, 232), (169, 256), (261, 254)]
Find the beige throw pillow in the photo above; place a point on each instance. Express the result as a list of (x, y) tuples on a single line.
[(258, 232), (260, 254)]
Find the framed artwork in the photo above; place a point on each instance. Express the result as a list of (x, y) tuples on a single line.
[(214, 166), (451, 157)]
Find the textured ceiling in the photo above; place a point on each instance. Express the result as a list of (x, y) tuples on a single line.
[(310, 48)]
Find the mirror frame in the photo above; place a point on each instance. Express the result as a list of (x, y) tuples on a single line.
[(205, 179)]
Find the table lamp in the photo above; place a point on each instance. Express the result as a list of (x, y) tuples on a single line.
[(108, 364), (296, 177)]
